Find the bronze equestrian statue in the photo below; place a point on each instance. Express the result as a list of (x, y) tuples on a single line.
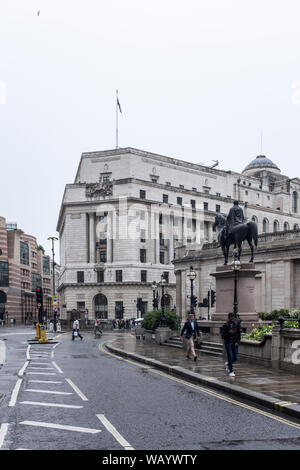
[(234, 230)]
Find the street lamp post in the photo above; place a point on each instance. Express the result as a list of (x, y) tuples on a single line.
[(235, 266), (154, 287), (163, 320), (53, 239), (192, 276)]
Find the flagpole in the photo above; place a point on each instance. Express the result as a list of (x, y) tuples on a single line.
[(117, 123)]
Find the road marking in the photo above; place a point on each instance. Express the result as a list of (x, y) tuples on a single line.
[(41, 373), (60, 426), (82, 396), (115, 433), (39, 363), (15, 392), (45, 381), (52, 352), (50, 404), (2, 352), (28, 353), (21, 371), (41, 368), (47, 391), (3, 432), (58, 368), (206, 391)]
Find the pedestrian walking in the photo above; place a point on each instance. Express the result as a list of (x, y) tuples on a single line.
[(192, 333), (231, 334), (76, 330)]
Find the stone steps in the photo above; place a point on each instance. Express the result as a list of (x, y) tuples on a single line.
[(207, 347)]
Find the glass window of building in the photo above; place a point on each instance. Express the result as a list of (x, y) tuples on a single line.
[(46, 265), (162, 257), (205, 206), (143, 276), (142, 255), (4, 277), (165, 198), (36, 281), (142, 194), (100, 276), (80, 276), (24, 253), (119, 275), (179, 201)]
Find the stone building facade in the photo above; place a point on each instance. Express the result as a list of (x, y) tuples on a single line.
[(23, 268), (127, 211)]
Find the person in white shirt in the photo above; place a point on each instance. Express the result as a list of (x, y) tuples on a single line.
[(76, 330)]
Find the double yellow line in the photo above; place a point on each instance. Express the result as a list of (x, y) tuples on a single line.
[(205, 390)]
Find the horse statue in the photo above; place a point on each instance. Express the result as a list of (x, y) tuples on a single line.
[(239, 233)]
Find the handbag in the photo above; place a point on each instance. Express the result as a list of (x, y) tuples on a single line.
[(75, 333)]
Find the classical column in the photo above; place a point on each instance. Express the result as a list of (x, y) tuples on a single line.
[(109, 237), (156, 234), (92, 237), (171, 238)]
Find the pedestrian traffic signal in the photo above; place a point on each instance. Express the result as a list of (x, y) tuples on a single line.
[(213, 297)]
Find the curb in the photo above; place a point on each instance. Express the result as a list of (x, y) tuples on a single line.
[(259, 398)]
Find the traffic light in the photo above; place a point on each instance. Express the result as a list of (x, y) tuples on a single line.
[(39, 295), (213, 297), (205, 302), (194, 301)]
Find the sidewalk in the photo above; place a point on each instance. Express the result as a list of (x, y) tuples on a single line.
[(279, 390)]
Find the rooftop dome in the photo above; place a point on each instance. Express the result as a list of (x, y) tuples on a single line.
[(261, 162)]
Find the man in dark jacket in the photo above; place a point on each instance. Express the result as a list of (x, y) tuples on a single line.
[(231, 334), (192, 332)]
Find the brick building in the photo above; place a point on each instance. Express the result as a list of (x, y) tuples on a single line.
[(23, 268)]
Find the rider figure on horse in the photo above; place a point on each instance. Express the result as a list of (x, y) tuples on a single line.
[(235, 217)]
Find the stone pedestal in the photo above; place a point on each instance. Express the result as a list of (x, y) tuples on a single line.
[(162, 334), (245, 292)]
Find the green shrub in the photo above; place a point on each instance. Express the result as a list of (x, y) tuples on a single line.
[(257, 334), (152, 320)]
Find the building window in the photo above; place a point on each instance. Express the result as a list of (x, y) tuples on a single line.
[(119, 275), (142, 255), (154, 180), (179, 201), (143, 235), (265, 226), (161, 239), (36, 281), (205, 206), (103, 256), (166, 276), (286, 226), (295, 202), (105, 179), (81, 306), (100, 276), (142, 194), (162, 257), (193, 203), (275, 226), (218, 194), (46, 265), (181, 186), (165, 198), (80, 277), (194, 189), (168, 183), (24, 253), (218, 208), (4, 278), (143, 276)]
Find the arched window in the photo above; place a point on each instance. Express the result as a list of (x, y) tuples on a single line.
[(295, 202), (265, 228), (275, 226), (286, 226), (100, 304), (296, 227), (254, 219)]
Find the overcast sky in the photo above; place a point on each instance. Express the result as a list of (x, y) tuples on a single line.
[(198, 80)]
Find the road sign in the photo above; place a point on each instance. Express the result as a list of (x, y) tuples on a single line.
[(54, 300)]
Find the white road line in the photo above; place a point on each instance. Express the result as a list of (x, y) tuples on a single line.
[(41, 373), (82, 396), (45, 381), (15, 392), (115, 433), (2, 352), (47, 391), (60, 426), (50, 404), (21, 371), (58, 368), (52, 352), (28, 353), (39, 363), (41, 368), (3, 432)]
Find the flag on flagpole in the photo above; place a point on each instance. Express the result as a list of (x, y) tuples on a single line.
[(118, 103)]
